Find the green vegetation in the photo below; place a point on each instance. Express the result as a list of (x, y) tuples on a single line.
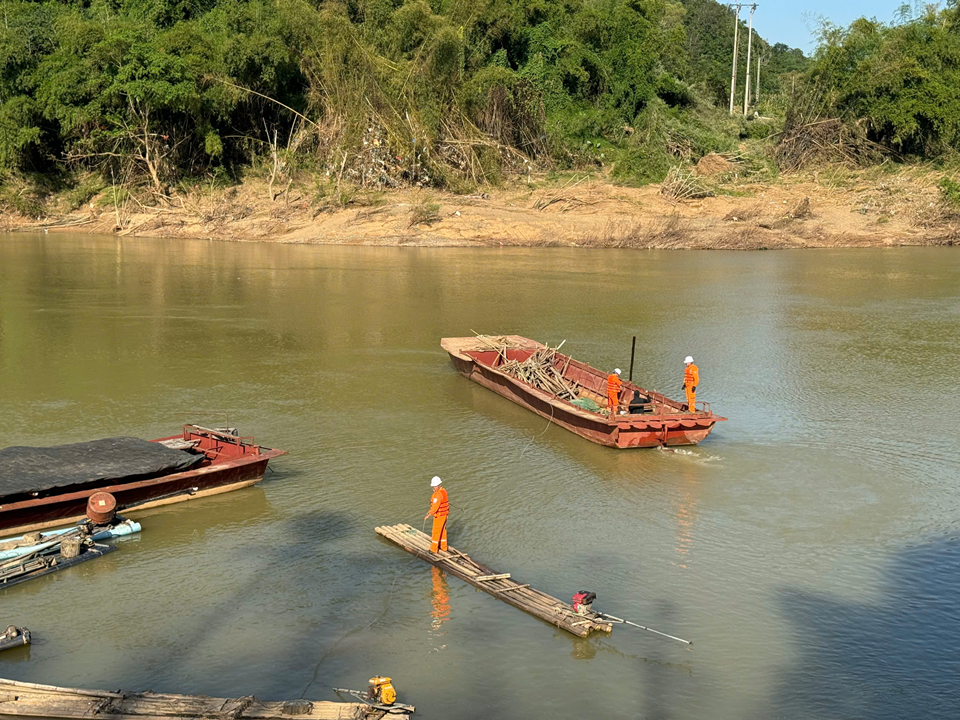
[(949, 193), (444, 93), (169, 94), (893, 87)]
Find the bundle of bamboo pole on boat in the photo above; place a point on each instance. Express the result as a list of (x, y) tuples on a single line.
[(540, 371), (500, 343)]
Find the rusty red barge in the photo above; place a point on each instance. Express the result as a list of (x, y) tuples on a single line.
[(667, 422), (47, 487)]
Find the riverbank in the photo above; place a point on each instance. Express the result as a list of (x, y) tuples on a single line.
[(835, 207)]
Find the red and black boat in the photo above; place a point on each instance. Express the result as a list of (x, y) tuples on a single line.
[(43, 487), (665, 422)]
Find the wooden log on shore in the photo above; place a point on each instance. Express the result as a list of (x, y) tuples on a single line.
[(25, 699), (500, 585)]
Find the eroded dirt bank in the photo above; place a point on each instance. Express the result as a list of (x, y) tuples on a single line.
[(841, 209)]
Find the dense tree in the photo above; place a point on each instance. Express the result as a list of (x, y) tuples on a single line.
[(436, 89), (900, 79)]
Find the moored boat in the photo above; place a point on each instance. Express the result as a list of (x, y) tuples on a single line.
[(492, 361), (47, 487), (13, 637)]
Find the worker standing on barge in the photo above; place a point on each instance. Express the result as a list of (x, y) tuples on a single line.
[(691, 378), (439, 510), (614, 383)]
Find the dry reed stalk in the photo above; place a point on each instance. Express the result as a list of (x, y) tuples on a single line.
[(681, 184)]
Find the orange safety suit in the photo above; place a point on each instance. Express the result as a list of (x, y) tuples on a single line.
[(691, 378), (614, 383), (439, 510)]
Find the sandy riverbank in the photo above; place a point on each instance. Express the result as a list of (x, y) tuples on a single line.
[(838, 208)]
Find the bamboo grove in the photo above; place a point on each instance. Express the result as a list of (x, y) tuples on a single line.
[(446, 93)]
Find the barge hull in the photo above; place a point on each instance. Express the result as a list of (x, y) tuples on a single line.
[(675, 428), (232, 464)]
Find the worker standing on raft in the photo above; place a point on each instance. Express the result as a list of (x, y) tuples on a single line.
[(691, 378), (439, 510), (614, 383)]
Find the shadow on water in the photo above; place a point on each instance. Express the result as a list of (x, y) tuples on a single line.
[(588, 648), (898, 657)]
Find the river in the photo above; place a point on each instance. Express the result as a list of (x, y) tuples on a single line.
[(810, 547)]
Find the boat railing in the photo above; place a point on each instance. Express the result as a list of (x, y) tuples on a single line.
[(221, 436)]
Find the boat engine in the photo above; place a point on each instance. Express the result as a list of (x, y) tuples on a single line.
[(582, 602), (381, 691)]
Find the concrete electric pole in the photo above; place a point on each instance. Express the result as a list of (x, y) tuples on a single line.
[(756, 94), (746, 87), (736, 53), (736, 38)]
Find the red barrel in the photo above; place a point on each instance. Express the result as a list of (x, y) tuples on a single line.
[(101, 507)]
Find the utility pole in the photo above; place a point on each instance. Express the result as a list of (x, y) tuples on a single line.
[(746, 87), (736, 53), (756, 95), (736, 38)]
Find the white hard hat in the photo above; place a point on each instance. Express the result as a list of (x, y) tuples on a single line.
[(688, 358), (436, 481), (617, 370)]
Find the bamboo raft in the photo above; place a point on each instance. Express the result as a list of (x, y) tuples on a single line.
[(32, 700), (49, 559), (501, 585)]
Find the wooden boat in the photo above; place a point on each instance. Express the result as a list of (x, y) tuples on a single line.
[(482, 359), (215, 461), (13, 637), (25, 699)]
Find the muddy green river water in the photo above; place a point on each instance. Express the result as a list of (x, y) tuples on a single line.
[(810, 547)]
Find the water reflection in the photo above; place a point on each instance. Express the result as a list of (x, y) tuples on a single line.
[(19, 654), (439, 601), (686, 515)]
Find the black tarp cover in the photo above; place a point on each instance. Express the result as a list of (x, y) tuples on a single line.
[(37, 469)]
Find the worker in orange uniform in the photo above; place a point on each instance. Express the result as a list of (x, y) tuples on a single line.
[(439, 510), (691, 378), (614, 383)]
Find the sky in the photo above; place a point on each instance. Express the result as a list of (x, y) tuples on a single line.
[(794, 22)]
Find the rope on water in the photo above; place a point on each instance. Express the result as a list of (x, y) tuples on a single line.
[(316, 668)]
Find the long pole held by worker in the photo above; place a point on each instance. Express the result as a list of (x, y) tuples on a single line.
[(633, 350), (614, 618)]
